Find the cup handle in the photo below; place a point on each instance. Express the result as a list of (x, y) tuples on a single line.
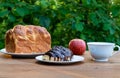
[(115, 52)]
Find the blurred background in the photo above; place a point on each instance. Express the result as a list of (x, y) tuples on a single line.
[(90, 20)]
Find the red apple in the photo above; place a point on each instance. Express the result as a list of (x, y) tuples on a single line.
[(77, 46)]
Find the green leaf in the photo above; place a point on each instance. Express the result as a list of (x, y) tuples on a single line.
[(44, 3), (86, 2), (6, 4), (106, 26), (44, 21), (109, 28), (35, 20), (11, 18), (79, 26), (22, 11), (82, 36), (63, 10), (112, 31), (94, 2), (72, 20), (115, 11), (37, 2), (94, 19), (4, 13)]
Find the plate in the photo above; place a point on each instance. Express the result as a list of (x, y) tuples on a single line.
[(34, 54), (74, 59)]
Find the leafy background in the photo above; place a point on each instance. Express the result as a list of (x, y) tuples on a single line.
[(90, 20)]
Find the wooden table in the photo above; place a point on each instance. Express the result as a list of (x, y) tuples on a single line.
[(29, 68)]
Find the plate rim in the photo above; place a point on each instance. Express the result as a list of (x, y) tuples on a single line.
[(19, 54), (60, 62)]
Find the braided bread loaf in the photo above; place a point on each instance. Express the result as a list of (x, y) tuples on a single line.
[(27, 39)]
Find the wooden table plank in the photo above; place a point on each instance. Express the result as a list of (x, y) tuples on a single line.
[(29, 68)]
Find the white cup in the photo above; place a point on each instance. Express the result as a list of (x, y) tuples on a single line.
[(101, 51)]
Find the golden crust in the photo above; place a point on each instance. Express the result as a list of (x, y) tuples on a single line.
[(27, 39)]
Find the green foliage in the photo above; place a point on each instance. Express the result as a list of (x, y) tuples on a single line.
[(91, 20)]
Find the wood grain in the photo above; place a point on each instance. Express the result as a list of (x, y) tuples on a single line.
[(30, 68)]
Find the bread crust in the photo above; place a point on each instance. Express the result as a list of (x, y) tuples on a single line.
[(27, 39)]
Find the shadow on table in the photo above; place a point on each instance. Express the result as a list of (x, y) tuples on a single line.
[(23, 57), (17, 57)]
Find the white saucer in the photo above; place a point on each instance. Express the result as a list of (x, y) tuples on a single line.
[(74, 59), (34, 54)]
